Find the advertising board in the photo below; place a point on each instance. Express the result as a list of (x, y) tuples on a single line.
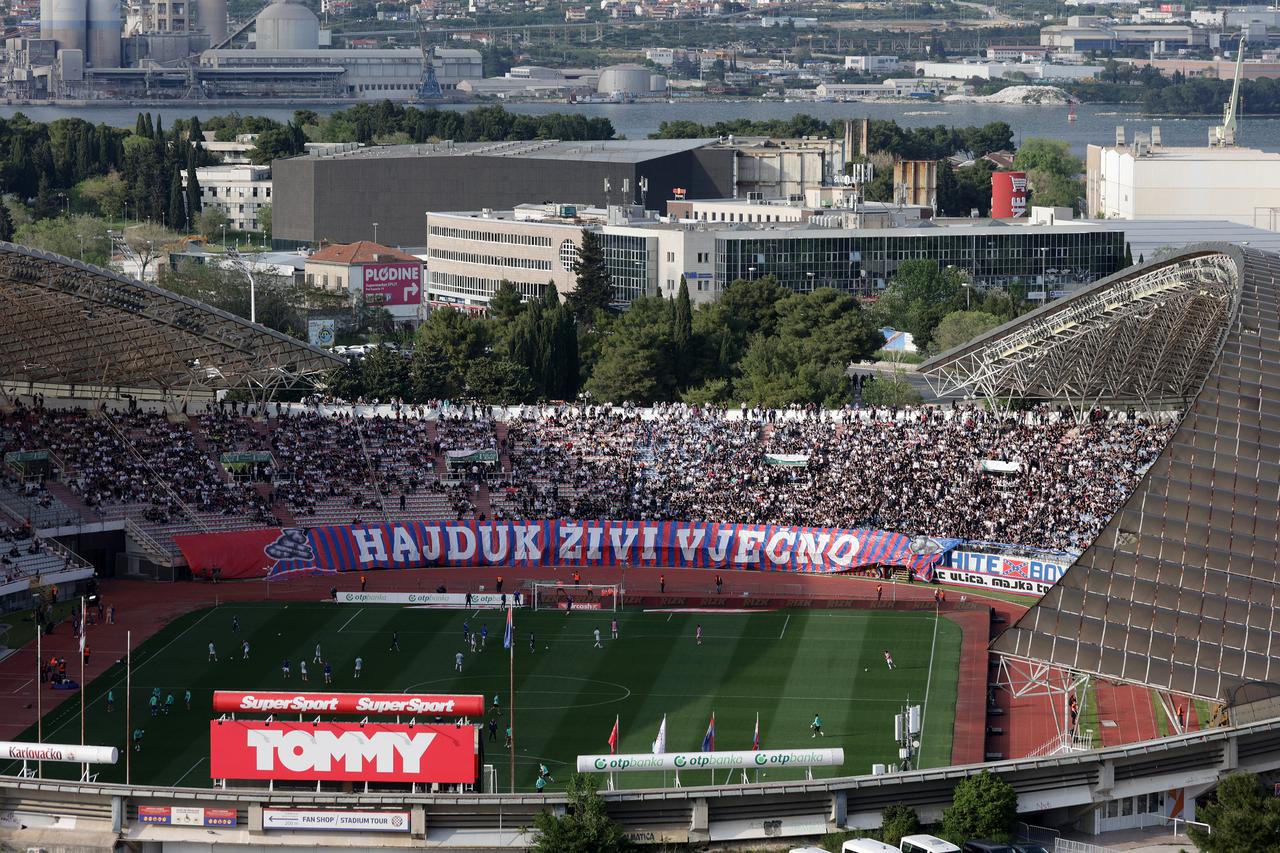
[(71, 753), (316, 820), (186, 816), (743, 759), (342, 752), (1008, 195), (397, 283), (365, 704), (474, 601), (1019, 575)]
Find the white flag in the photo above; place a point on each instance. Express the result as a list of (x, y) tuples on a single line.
[(660, 743), (82, 639)]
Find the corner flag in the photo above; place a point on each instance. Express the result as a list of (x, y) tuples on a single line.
[(755, 739), (509, 637), (660, 742), (613, 738), (709, 739)]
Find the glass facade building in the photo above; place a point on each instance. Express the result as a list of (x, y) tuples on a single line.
[(632, 260), (1041, 261)]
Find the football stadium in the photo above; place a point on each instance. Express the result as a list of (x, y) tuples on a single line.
[(292, 621)]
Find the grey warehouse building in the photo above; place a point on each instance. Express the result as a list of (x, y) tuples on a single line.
[(338, 197)]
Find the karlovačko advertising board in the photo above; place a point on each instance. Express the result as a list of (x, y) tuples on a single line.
[(317, 820), (71, 753), (397, 283), (743, 759), (363, 704), (342, 752)]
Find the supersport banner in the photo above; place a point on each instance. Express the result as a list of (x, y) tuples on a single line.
[(385, 704), (342, 752), (357, 548)]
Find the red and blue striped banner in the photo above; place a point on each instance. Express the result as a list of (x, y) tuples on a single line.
[(665, 544)]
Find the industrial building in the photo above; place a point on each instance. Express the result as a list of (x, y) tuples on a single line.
[(173, 49), (339, 197), (1084, 33)]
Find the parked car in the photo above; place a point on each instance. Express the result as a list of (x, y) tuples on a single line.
[(981, 846), (1030, 848), (866, 845), (926, 844)]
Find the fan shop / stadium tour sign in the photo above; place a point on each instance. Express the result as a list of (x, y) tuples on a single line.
[(362, 704), (357, 548)]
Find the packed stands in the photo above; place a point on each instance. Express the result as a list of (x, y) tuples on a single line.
[(1039, 478)]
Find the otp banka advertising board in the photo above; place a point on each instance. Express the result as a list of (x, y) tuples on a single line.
[(1021, 575)]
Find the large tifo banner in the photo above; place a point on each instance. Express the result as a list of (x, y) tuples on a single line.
[(411, 545), (1020, 575)]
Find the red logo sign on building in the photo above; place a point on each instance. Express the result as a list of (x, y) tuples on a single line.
[(342, 752)]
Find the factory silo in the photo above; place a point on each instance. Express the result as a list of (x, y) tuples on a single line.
[(287, 26), (105, 28), (212, 15), (46, 19), (70, 18)]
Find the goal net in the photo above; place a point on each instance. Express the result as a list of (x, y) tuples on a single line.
[(576, 596)]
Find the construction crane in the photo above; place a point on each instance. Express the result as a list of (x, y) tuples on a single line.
[(429, 90), (1225, 134)]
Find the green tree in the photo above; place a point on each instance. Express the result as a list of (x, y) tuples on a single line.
[(1052, 156), (210, 222), (265, 219), (593, 291), (1244, 818), (386, 374), (584, 827), (499, 380), (104, 194), (920, 294), (1128, 255), (682, 319), (896, 821), (960, 327), (982, 806), (431, 375), (194, 202), (506, 303), (82, 237), (890, 389), (462, 337), (6, 222), (177, 218)]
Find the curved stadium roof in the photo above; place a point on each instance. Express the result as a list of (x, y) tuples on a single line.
[(64, 322), (1181, 590)]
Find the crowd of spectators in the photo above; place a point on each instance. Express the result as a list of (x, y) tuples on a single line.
[(916, 470)]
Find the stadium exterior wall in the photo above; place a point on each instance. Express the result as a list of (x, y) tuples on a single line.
[(100, 816)]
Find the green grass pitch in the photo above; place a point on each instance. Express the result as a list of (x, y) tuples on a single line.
[(785, 665)]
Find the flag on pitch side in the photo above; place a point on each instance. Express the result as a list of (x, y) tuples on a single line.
[(613, 738), (755, 739), (660, 742), (709, 739), (509, 637)]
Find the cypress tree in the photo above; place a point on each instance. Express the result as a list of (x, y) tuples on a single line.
[(194, 204), (1128, 255), (195, 132), (177, 203), (6, 222), (682, 323), (148, 129), (140, 126), (594, 290)]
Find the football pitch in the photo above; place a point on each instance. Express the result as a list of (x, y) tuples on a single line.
[(783, 665)]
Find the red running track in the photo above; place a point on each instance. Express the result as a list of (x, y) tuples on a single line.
[(144, 607)]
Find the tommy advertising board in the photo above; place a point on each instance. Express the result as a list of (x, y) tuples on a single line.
[(316, 820), (1019, 575), (362, 704), (669, 544), (397, 283), (341, 752)]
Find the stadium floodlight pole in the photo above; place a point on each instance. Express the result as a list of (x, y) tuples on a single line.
[(128, 703), (511, 691), (39, 689)]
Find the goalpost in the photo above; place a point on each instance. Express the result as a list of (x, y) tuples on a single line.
[(549, 595)]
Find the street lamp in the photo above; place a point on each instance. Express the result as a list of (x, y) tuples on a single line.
[(809, 275), (244, 267), (751, 273), (66, 201), (224, 236), (375, 232)]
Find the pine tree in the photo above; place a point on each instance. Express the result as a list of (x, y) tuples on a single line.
[(594, 289), (177, 203), (194, 204), (551, 297)]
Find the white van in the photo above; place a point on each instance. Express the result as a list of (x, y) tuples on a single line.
[(866, 845), (808, 850), (926, 844)]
